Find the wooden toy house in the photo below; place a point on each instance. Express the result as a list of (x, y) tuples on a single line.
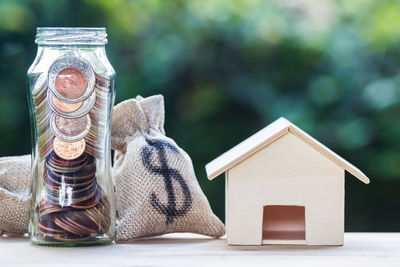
[(283, 187)]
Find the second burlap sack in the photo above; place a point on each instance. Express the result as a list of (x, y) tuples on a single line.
[(156, 188), (15, 175)]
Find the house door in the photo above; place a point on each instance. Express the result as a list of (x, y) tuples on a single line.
[(284, 223)]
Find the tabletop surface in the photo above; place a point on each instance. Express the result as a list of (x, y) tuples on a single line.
[(360, 249)]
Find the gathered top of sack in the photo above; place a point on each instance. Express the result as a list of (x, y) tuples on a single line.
[(134, 116)]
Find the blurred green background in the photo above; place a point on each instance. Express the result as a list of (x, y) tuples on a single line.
[(228, 68)]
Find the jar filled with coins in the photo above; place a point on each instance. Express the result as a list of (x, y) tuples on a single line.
[(71, 95)]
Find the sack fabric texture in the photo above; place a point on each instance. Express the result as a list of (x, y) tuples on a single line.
[(15, 173), (156, 188)]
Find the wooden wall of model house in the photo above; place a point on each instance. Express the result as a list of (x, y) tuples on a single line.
[(285, 172)]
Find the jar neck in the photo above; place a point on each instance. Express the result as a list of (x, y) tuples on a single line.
[(46, 54), (55, 51), (74, 37), (71, 48)]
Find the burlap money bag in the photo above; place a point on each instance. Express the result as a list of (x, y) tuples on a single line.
[(14, 193), (156, 188)]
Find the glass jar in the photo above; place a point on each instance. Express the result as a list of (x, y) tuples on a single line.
[(71, 95)]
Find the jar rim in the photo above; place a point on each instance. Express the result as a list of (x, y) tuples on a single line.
[(71, 36)]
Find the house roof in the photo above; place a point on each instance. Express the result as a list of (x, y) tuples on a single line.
[(267, 136)]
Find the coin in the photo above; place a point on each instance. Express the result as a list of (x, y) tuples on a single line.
[(65, 190), (102, 81), (76, 179), (70, 130), (85, 106), (82, 228), (74, 239), (73, 178), (87, 204), (38, 99), (65, 198), (76, 222), (102, 220), (42, 110), (69, 171), (68, 150), (39, 84), (67, 226), (71, 83), (47, 147), (59, 165), (71, 127), (48, 229), (52, 181), (71, 79), (52, 209), (65, 106), (44, 138)]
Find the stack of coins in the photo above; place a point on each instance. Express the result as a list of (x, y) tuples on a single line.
[(79, 175), (99, 117), (74, 223), (71, 114), (42, 112)]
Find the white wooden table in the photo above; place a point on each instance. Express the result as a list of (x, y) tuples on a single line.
[(360, 249)]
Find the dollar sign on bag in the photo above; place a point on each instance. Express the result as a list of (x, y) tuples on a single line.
[(169, 210)]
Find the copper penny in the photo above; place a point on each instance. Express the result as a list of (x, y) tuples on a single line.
[(65, 128), (69, 150), (44, 227), (71, 83), (71, 79), (65, 106)]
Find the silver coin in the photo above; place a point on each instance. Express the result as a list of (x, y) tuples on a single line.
[(78, 86), (83, 110), (70, 129)]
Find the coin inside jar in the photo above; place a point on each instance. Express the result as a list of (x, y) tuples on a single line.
[(65, 106), (70, 129), (69, 150), (84, 106), (71, 79), (71, 83)]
